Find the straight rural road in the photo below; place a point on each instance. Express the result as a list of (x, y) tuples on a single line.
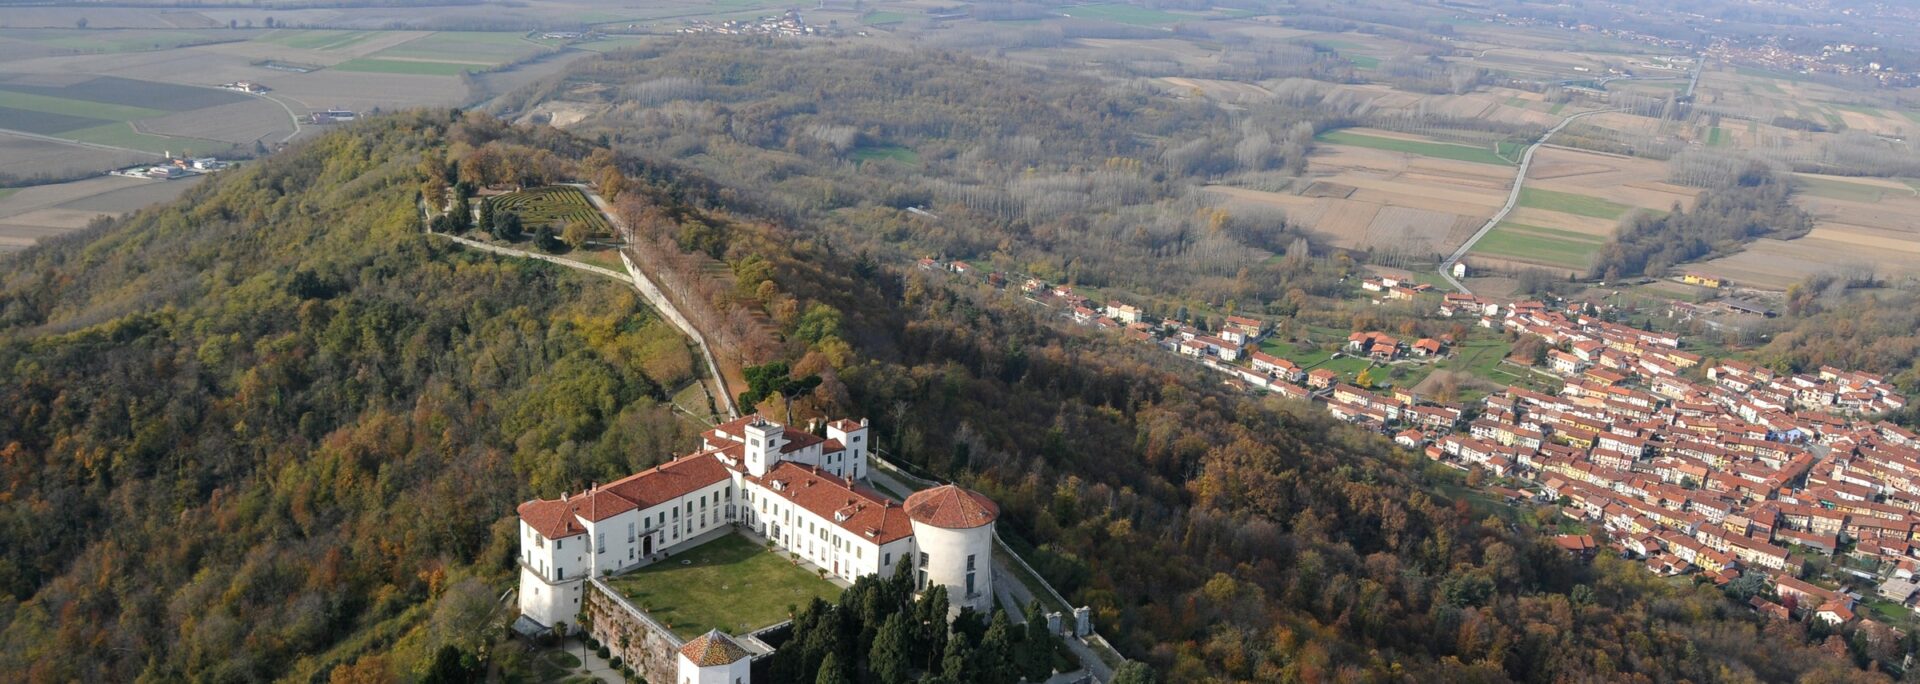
[(1513, 197)]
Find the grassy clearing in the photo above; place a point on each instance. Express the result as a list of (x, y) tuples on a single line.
[(1126, 14), (1557, 106), (1840, 190), (730, 584), (1545, 246), (1364, 61), (1423, 148), (1570, 203), (896, 153), (1716, 137), (391, 66)]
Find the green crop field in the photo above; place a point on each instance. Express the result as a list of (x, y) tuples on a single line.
[(1126, 14), (1544, 246), (72, 107), (551, 205), (121, 134), (1716, 137), (487, 48), (1364, 61), (318, 39), (1570, 203), (1839, 189), (1465, 153)]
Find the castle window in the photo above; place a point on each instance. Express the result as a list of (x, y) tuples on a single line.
[(601, 542), (969, 562), (970, 584)]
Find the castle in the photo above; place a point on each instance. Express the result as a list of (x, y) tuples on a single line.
[(798, 490)]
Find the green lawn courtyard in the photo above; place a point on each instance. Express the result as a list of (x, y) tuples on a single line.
[(730, 584)]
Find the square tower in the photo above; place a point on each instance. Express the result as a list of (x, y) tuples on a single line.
[(764, 441)]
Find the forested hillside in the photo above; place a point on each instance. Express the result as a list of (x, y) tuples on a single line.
[(1219, 536), (273, 428), (274, 431)]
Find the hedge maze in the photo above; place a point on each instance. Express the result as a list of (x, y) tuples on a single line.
[(553, 206)]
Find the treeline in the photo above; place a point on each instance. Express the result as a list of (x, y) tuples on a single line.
[(1752, 203), (879, 632)]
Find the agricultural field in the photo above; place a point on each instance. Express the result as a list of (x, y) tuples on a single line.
[(446, 53), (1410, 145), (1567, 250), (112, 111), (1870, 224), (1361, 197), (28, 215), (552, 205), (1126, 14)]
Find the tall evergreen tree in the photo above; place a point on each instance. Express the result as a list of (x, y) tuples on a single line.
[(1036, 646), (891, 660), (993, 661), (930, 615), (956, 660), (832, 672)]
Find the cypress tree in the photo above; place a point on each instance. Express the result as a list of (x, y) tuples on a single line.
[(891, 660), (994, 660), (832, 672), (1036, 646)]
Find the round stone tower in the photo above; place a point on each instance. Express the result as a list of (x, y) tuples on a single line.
[(953, 531)]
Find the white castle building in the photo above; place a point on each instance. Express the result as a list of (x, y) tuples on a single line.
[(799, 490)]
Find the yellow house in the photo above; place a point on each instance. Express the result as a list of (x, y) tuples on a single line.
[(1702, 280)]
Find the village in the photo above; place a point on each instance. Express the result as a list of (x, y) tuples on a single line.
[(789, 24), (1717, 470)]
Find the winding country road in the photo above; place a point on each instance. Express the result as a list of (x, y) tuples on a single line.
[(1513, 198)]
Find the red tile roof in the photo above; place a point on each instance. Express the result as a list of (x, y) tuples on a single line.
[(713, 649), (559, 518), (857, 509), (951, 507)]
